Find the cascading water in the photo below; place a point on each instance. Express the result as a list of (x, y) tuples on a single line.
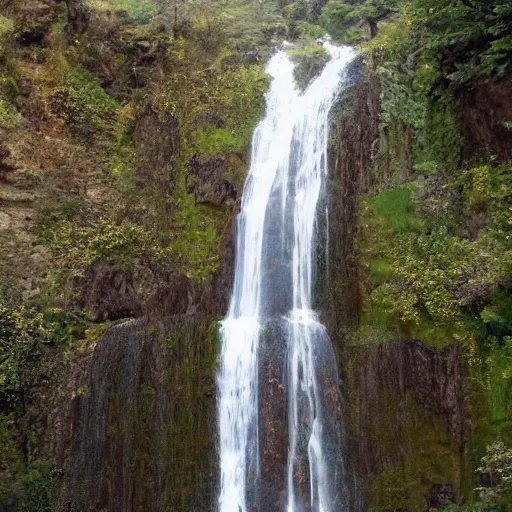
[(273, 279)]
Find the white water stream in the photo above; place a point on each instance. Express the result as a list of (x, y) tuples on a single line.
[(274, 277)]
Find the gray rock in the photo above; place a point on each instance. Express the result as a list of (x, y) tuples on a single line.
[(206, 179)]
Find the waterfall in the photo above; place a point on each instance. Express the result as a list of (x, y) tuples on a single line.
[(273, 279)]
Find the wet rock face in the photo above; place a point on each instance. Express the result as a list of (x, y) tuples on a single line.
[(274, 381), (139, 433), (213, 297), (173, 296), (357, 122), (156, 139), (484, 106), (207, 180), (108, 293), (273, 418), (389, 385)]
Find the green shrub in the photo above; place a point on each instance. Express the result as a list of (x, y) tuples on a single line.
[(216, 141), (104, 240), (309, 61), (476, 507), (487, 189), (237, 96), (193, 248), (395, 208), (333, 18), (353, 35), (33, 490), (299, 10), (84, 105), (9, 88), (441, 145), (497, 465), (399, 99), (6, 30), (499, 382), (309, 31), (390, 214), (6, 115), (139, 11)]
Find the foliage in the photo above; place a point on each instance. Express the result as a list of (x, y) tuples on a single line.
[(474, 34), (194, 246), (22, 331), (499, 383), (497, 465), (425, 279), (104, 240), (399, 100), (309, 61), (9, 91), (427, 271), (389, 214), (237, 96), (249, 26), (309, 31), (439, 149), (395, 208), (6, 30), (6, 117), (33, 490), (333, 16), (216, 141), (140, 11), (338, 17), (428, 455), (298, 10), (471, 36), (487, 188), (476, 507), (83, 104)]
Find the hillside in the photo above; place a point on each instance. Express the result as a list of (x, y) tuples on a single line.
[(125, 139)]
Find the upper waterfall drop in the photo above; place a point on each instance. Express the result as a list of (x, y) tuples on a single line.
[(273, 279)]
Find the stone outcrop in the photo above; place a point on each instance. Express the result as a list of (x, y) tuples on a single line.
[(356, 127), (401, 398), (79, 16), (139, 432), (273, 418), (108, 293), (156, 139), (33, 20), (433, 378), (485, 108), (207, 179), (407, 413)]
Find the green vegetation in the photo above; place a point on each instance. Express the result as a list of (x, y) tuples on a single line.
[(433, 241), (31, 345), (310, 58), (200, 68), (429, 457), (497, 464), (83, 104), (140, 11)]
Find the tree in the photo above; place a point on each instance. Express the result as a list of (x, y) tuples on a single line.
[(21, 333), (497, 466)]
